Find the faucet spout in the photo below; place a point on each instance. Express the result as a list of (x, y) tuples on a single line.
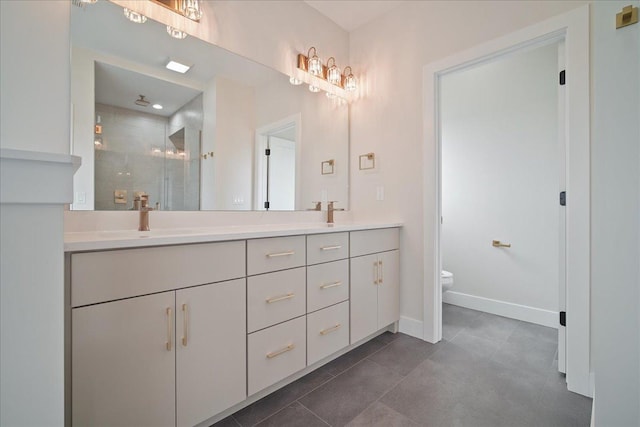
[(143, 224), (330, 211)]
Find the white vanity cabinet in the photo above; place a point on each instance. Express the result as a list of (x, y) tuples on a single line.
[(375, 281), (154, 360), (180, 334)]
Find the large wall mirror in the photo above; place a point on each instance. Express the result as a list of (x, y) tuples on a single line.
[(229, 134)]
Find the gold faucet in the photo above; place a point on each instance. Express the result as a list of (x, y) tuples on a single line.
[(330, 210), (144, 212)]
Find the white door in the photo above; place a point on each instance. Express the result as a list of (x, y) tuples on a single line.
[(210, 350), (500, 181), (282, 174), (123, 356)]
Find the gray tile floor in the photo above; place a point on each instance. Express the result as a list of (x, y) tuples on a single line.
[(487, 371)]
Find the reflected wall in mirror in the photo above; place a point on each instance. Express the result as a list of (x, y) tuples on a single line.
[(231, 134)]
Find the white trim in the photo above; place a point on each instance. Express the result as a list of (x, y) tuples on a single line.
[(573, 27), (36, 177), (525, 313), (411, 326)]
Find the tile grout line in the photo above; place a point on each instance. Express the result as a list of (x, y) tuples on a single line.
[(316, 415)]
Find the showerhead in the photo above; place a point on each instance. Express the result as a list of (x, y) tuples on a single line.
[(142, 102)]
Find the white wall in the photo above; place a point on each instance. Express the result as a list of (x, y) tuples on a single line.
[(615, 206), (500, 179), (233, 146), (34, 116), (391, 52)]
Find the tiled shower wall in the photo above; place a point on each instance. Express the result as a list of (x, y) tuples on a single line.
[(135, 156)]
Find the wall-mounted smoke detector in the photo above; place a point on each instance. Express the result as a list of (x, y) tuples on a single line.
[(142, 102)]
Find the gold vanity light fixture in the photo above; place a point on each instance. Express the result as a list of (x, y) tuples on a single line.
[(134, 16), (330, 73)]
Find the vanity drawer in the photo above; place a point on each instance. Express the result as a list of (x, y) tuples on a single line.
[(327, 247), (327, 331), (275, 353), (372, 241), (277, 253), (110, 275), (327, 284), (275, 297)]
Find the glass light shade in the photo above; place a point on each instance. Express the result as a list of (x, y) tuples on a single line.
[(191, 9), (334, 76), (314, 89), (133, 16), (176, 33), (294, 81), (350, 83), (315, 65)]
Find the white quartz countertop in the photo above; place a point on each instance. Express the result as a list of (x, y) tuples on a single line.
[(119, 239)]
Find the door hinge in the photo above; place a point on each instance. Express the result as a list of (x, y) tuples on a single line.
[(562, 77), (563, 318), (266, 205), (563, 198), (267, 152)]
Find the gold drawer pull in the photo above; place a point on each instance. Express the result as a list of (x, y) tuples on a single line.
[(280, 298), (375, 272), (381, 273), (277, 254), (498, 244), (279, 352), (331, 285), (330, 248), (169, 343), (331, 329)]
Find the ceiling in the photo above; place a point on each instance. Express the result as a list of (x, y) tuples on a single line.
[(351, 14)]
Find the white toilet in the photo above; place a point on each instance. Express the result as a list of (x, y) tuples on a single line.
[(447, 280)]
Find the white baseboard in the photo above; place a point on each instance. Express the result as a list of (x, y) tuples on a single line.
[(411, 327), (501, 308)]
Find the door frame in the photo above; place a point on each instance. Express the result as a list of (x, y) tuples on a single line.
[(573, 28)]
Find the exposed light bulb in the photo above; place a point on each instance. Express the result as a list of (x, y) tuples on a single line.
[(134, 16)]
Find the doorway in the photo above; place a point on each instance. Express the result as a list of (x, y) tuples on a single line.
[(277, 158), (502, 171), (572, 28)]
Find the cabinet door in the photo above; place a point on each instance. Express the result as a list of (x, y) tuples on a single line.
[(123, 356), (388, 288), (364, 297), (210, 350)]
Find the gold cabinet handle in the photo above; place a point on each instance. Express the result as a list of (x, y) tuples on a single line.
[(185, 317), (331, 285), (381, 273), (375, 272), (330, 248), (278, 254), (169, 343), (280, 298), (498, 244), (279, 352), (331, 329)]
